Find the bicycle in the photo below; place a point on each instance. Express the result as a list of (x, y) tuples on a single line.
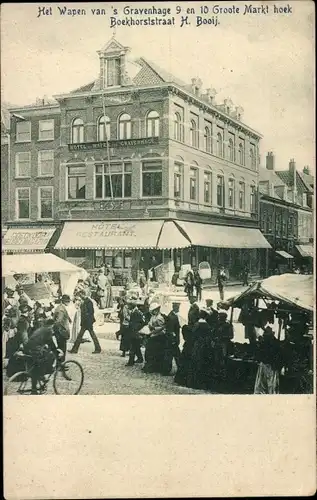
[(68, 378)]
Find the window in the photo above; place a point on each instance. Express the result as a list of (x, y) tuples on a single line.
[(113, 72), (207, 187), (252, 199), (193, 178), (220, 191), (103, 128), (252, 155), (45, 202), (219, 145), (178, 128), (76, 182), (231, 193), (241, 195), (207, 140), (241, 153), (178, 180), (23, 203), (46, 163), (23, 131), (46, 130), (77, 131), (153, 124), (194, 135), (114, 181), (231, 149), (23, 164), (125, 126), (152, 178)]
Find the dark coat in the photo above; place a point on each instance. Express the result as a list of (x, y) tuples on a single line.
[(173, 325), (193, 314), (23, 328), (136, 321), (87, 313)]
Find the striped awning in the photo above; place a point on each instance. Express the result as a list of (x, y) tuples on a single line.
[(25, 240), (121, 234)]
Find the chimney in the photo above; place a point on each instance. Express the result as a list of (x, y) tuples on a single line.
[(270, 161), (292, 172), (306, 170)]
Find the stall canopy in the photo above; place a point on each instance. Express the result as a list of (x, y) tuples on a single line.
[(35, 263), (27, 239), (210, 235), (306, 250), (121, 235), (283, 254), (294, 289)]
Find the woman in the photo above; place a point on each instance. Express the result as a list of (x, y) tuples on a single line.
[(155, 347), (270, 360), (201, 357), (189, 284), (124, 316), (76, 319)]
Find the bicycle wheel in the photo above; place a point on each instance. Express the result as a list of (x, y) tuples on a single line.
[(68, 378), (19, 384)]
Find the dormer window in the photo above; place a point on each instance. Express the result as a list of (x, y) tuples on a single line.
[(112, 72)]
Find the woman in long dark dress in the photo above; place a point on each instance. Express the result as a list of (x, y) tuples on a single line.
[(199, 372), (125, 341)]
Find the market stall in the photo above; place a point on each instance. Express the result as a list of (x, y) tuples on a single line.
[(286, 304)]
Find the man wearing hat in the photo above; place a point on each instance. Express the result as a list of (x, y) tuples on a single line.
[(87, 320), (136, 322), (62, 324)]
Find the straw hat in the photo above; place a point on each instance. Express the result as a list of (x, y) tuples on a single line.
[(154, 306)]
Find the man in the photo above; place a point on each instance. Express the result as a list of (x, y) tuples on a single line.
[(62, 324), (41, 347), (221, 279), (24, 323), (23, 298), (87, 322), (136, 322), (212, 319), (245, 276), (198, 283), (189, 284), (193, 313), (155, 348), (173, 332)]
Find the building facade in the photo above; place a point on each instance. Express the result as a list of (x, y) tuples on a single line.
[(137, 144)]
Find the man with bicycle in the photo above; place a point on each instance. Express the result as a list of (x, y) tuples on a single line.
[(42, 347)]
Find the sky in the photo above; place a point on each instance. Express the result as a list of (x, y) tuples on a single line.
[(263, 62)]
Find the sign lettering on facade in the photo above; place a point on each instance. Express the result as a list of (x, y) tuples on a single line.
[(88, 146), (104, 230), (28, 238)]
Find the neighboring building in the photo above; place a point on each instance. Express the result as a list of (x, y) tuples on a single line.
[(173, 155), (286, 219), (5, 146)]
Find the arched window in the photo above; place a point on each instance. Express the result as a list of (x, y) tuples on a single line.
[(77, 131), (193, 181), (178, 127), (231, 150), (193, 134), (207, 140), (231, 197), (241, 154), (178, 177), (253, 199), (241, 194), (220, 190), (219, 145), (252, 158), (125, 126), (153, 124), (103, 128)]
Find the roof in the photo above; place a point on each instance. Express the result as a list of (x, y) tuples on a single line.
[(35, 263), (308, 180), (300, 183), (162, 73), (85, 88)]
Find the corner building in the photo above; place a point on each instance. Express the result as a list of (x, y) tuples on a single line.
[(178, 180)]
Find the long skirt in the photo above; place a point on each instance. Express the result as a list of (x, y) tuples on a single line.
[(75, 326), (181, 376), (199, 370), (106, 301), (125, 341), (267, 380), (154, 354)]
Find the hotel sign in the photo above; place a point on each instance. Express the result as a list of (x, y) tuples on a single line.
[(88, 146)]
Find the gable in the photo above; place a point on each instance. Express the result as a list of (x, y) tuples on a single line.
[(146, 76), (113, 47)]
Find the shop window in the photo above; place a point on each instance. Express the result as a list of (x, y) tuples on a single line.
[(23, 131), (45, 163), (231, 193), (77, 131), (23, 164), (127, 259), (193, 184), (241, 195), (207, 187), (208, 139), (178, 180), (103, 128), (22, 203), (99, 258), (118, 259), (152, 124), (220, 191), (152, 178), (46, 130), (125, 126), (45, 202), (113, 180), (76, 180)]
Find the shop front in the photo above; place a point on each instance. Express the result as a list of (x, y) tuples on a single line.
[(232, 247), (305, 257), (127, 246), (27, 240), (284, 261)]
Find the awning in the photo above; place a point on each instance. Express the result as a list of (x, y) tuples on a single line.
[(306, 250), (121, 235), (210, 235), (27, 239), (285, 255), (35, 263)]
